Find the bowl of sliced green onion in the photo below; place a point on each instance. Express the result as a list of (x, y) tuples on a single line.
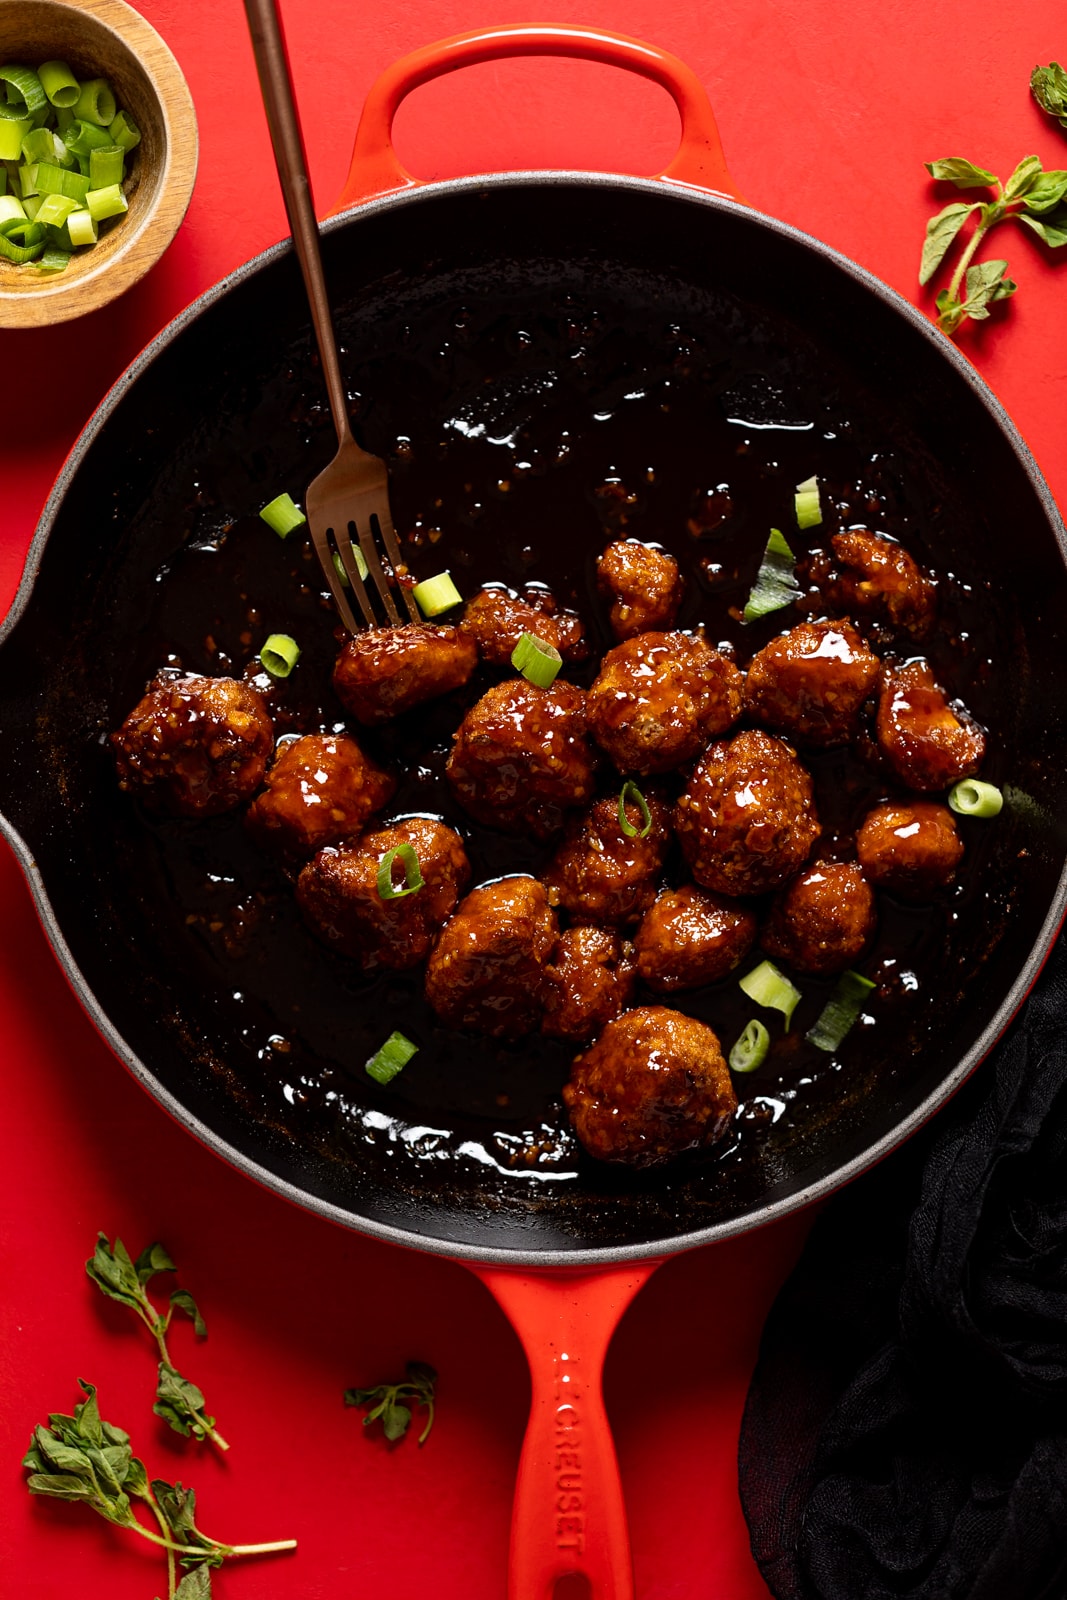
[(98, 153)]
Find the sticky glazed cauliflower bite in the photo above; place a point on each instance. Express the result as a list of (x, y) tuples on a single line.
[(746, 820), (486, 973), (653, 1085), (600, 873), (383, 672), (496, 620), (340, 901), (520, 758), (659, 698), (320, 789), (194, 746)]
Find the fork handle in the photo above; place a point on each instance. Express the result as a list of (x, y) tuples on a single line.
[(276, 84), (375, 169)]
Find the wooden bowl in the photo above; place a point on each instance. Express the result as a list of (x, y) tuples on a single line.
[(107, 39)]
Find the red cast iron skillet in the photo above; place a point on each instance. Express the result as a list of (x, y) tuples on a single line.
[(226, 398)]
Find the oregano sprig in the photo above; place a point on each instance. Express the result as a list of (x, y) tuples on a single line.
[(387, 1401), (178, 1401), (82, 1458), (1049, 88), (1031, 196)]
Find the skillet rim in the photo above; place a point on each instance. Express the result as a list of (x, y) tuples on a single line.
[(601, 1256)]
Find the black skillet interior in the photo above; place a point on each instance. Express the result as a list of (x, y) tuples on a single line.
[(545, 363)]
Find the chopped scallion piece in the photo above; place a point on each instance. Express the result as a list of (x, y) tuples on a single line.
[(339, 566), (17, 253), (413, 879), (280, 655), (81, 225), (58, 83), (808, 504), (631, 795), (50, 179), (839, 1012), (394, 1055), (54, 261), (776, 585), (125, 132), (24, 97), (537, 661), (11, 137), (95, 102), (83, 137), (283, 515), (55, 209), (751, 1048), (770, 988), (11, 209), (434, 595), (105, 167), (972, 798), (103, 203), (39, 145)]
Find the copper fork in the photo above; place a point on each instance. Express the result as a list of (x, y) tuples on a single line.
[(352, 494)]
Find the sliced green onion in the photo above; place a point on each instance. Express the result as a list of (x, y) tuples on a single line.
[(19, 254), (81, 226), (776, 585), (54, 209), (104, 203), (770, 988), (434, 595), (11, 209), (125, 132), (105, 167), (279, 655), (11, 137), (537, 661), (808, 504), (81, 138), (24, 96), (96, 102), (413, 879), (631, 794), (394, 1055), (50, 179), (58, 83), (25, 233), (34, 202), (339, 566), (39, 145), (54, 260), (751, 1048), (28, 180), (972, 798), (839, 1012), (283, 515)]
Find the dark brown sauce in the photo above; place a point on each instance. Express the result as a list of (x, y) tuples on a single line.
[(521, 437)]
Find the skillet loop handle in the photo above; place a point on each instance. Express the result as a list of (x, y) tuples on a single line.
[(569, 1515), (375, 169)]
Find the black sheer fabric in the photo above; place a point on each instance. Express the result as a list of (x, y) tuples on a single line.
[(905, 1436)]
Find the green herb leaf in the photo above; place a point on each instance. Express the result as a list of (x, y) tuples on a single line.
[(60, 1487), (181, 1404), (950, 312), (1049, 88), (196, 1585), (1047, 192), (182, 1300), (386, 1399), (986, 282), (152, 1260), (940, 232), (1023, 178), (1053, 230), (114, 1273), (964, 174), (178, 1505)]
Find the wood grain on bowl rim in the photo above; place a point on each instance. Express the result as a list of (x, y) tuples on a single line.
[(112, 40)]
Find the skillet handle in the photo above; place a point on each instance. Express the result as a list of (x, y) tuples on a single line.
[(569, 1515), (375, 170)]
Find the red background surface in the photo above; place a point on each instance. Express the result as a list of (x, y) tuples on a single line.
[(827, 113)]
